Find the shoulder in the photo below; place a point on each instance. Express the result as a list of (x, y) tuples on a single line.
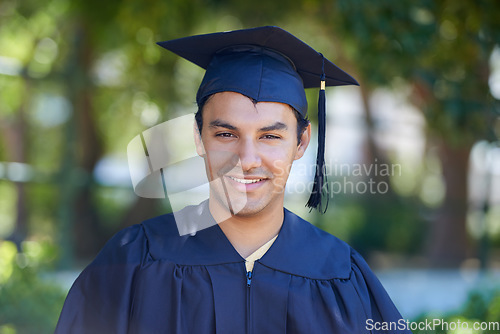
[(132, 244), (305, 250), (314, 235), (126, 246), (163, 238), (162, 227), (188, 237)]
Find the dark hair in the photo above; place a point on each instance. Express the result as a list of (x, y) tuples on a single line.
[(302, 122)]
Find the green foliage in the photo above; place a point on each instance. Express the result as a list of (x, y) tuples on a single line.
[(440, 47), (28, 304), (7, 208), (377, 222), (479, 308)]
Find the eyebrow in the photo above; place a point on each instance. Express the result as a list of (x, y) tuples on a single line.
[(221, 124), (274, 127)]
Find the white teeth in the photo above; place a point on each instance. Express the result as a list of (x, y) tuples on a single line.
[(245, 181)]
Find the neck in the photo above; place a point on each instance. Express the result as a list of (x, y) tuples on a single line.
[(248, 233)]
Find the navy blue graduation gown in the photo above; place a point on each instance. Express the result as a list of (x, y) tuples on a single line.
[(148, 279)]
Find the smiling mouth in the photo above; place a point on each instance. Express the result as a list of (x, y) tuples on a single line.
[(245, 181)]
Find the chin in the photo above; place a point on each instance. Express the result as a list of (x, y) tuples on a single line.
[(250, 209), (242, 208)]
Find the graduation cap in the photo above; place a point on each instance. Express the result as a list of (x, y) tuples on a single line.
[(266, 64)]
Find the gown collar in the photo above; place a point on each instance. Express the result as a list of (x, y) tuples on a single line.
[(300, 248)]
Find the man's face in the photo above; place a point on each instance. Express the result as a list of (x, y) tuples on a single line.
[(250, 147)]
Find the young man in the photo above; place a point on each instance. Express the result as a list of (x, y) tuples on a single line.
[(257, 267)]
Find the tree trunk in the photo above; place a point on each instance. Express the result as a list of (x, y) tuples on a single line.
[(15, 134), (448, 244), (87, 228), (81, 234)]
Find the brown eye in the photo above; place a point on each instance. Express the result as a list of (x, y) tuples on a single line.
[(224, 135), (271, 137)]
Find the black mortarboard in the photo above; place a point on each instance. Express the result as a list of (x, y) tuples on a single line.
[(267, 64)]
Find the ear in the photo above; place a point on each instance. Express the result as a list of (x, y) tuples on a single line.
[(197, 140), (305, 138)]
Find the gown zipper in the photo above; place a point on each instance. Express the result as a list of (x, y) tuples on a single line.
[(249, 278), (249, 306)]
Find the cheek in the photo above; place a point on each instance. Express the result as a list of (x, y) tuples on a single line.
[(222, 159), (214, 145), (206, 140), (280, 162), (218, 154)]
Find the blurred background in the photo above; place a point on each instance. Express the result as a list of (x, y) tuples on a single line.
[(80, 79)]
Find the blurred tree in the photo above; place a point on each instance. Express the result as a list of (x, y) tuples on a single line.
[(441, 49), (13, 126), (28, 304)]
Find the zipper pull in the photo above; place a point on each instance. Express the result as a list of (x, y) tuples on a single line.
[(249, 278)]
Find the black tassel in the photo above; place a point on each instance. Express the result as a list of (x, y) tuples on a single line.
[(320, 187)]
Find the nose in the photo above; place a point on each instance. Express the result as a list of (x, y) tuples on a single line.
[(249, 156)]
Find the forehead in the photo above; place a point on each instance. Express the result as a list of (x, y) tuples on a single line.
[(238, 109)]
